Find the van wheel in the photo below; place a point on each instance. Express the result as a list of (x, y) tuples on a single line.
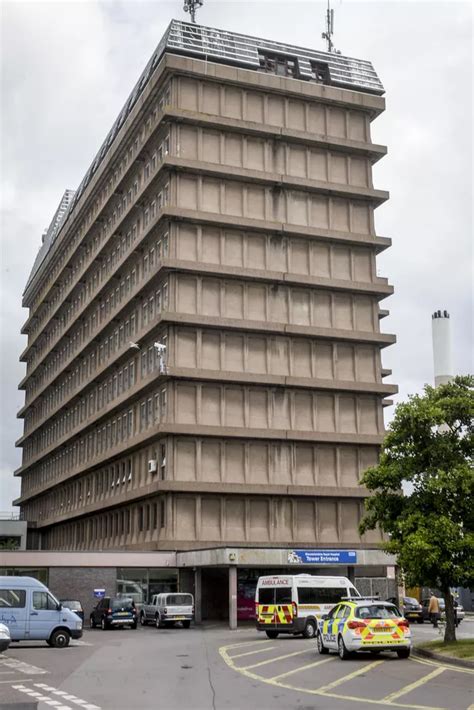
[(321, 647), (60, 638), (309, 630), (143, 620), (403, 652), (342, 650), (186, 624), (272, 634)]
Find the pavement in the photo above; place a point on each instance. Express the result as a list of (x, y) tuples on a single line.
[(211, 668)]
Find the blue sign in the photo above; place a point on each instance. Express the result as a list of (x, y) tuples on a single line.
[(322, 557), (99, 593)]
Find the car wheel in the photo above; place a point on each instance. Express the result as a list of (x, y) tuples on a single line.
[(272, 634), (143, 620), (103, 624), (342, 650), (186, 624), (157, 621), (403, 652), (60, 638), (321, 647), (92, 623), (309, 630)]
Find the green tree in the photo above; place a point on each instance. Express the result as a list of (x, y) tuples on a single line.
[(430, 446)]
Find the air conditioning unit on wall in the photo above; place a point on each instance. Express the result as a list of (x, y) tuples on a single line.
[(152, 466)]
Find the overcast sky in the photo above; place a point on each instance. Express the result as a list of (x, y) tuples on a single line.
[(68, 67)]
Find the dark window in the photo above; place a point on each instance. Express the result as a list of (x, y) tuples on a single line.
[(179, 600), (307, 595), (12, 598), (332, 614), (122, 604), (320, 72), (43, 600), (283, 595), (265, 596), (277, 64)]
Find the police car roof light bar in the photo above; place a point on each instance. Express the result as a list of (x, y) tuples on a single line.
[(361, 599)]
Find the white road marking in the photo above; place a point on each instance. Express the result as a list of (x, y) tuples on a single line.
[(67, 696), (22, 667), (58, 704)]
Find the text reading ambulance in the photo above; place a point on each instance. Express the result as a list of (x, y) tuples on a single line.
[(294, 604)]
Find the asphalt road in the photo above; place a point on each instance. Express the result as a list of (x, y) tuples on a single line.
[(212, 668)]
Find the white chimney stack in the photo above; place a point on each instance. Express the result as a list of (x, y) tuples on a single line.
[(441, 329)]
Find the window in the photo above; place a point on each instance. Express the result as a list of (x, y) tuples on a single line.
[(44, 600), (320, 72), (12, 598), (265, 596), (327, 595), (277, 64)]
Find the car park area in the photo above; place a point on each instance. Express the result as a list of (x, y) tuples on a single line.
[(211, 667)]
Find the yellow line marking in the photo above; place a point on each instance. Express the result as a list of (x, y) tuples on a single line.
[(246, 643), (350, 676), (413, 686), (446, 666), (278, 684), (277, 658), (249, 653), (301, 668)]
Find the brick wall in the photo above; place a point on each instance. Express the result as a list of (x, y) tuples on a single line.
[(80, 582)]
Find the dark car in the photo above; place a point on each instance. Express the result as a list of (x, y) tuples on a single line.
[(111, 612), (410, 608), (74, 606)]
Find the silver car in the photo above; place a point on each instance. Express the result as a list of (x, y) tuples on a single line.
[(5, 638)]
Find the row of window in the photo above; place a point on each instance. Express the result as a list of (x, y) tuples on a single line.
[(125, 424), (103, 484), (99, 397), (101, 355), (109, 527), (112, 180), (284, 65), (138, 272), (100, 309)]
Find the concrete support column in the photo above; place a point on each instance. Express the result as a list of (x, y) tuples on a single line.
[(232, 598), (198, 595)]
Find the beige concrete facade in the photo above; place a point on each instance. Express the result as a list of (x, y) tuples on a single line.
[(233, 222)]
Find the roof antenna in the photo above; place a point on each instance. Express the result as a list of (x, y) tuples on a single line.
[(330, 30), (191, 6)]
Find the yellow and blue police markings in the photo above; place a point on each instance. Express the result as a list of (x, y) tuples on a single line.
[(364, 625)]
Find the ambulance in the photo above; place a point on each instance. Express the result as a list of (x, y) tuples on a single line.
[(294, 604)]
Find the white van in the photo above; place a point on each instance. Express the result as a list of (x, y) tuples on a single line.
[(31, 612), (293, 604)]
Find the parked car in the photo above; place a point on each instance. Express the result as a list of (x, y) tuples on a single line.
[(74, 606), (459, 609), (5, 638), (167, 609), (114, 611), (31, 612), (410, 608)]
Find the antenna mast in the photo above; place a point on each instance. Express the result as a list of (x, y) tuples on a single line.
[(191, 6), (329, 30)]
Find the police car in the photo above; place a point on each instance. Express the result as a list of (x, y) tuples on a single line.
[(365, 624)]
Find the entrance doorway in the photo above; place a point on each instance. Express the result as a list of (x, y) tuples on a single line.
[(215, 593)]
